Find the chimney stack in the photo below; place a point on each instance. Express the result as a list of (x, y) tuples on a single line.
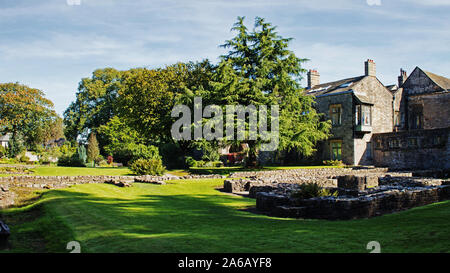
[(313, 78), (402, 78), (370, 68)]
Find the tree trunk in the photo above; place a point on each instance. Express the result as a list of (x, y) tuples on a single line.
[(251, 161)]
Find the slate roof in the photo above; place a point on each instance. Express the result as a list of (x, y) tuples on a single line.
[(441, 81), (392, 87), (335, 87)]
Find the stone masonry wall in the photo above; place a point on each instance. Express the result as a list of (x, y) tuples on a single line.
[(350, 208), (417, 149), (435, 109), (344, 131)]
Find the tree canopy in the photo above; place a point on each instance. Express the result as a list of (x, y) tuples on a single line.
[(259, 69), (134, 106), (94, 105), (26, 111)]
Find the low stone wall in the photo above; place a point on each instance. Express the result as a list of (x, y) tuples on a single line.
[(325, 177), (50, 182), (47, 182), (255, 186), (350, 208), (19, 169), (7, 197), (286, 181)]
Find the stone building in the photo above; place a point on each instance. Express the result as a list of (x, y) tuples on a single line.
[(358, 107), (421, 137), (401, 126)]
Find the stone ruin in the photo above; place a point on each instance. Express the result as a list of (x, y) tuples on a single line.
[(362, 193)]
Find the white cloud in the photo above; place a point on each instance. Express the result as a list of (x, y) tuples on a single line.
[(374, 2), (430, 2), (53, 42)]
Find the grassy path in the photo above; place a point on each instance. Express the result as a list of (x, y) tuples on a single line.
[(191, 216)]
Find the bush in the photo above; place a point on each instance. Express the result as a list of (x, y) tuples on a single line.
[(16, 146), (24, 159), (71, 161), (144, 166), (3, 151), (104, 163), (333, 163), (81, 153), (44, 159), (311, 190), (132, 152), (99, 159), (214, 164), (172, 155), (190, 162)]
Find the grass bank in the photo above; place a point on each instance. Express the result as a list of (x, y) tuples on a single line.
[(192, 216)]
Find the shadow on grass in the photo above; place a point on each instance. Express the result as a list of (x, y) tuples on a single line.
[(215, 222)]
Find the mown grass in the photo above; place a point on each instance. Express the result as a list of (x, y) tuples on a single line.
[(75, 171), (192, 216)]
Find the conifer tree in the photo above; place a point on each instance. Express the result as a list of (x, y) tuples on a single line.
[(93, 150), (259, 69)]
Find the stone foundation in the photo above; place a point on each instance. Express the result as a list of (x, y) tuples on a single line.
[(362, 192), (351, 208), (286, 181)]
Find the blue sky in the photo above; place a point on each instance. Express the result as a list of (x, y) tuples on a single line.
[(52, 44)]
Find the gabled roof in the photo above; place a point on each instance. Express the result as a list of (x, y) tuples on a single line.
[(335, 87), (392, 87), (441, 81)]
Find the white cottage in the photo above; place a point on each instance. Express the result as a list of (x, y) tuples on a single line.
[(4, 139)]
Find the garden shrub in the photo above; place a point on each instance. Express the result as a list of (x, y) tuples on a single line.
[(44, 159), (9, 161), (144, 166), (81, 152), (190, 162), (311, 190), (16, 146), (132, 152), (214, 164), (24, 159), (3, 151), (70, 161), (173, 155), (99, 159), (333, 163)]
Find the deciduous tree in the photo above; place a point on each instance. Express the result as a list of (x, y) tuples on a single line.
[(24, 110)]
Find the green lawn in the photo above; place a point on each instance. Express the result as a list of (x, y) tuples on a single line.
[(75, 171), (192, 216)]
